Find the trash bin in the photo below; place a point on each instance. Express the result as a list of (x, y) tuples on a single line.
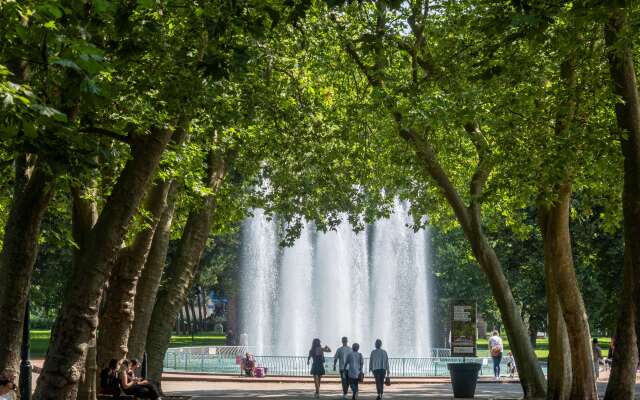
[(464, 377)]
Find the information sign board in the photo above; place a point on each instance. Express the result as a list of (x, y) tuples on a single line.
[(463, 328)]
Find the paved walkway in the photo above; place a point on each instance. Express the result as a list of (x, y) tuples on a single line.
[(203, 390)]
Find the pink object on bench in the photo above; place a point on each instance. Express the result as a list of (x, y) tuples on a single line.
[(260, 372)]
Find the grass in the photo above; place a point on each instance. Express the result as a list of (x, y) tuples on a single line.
[(542, 347), (40, 341)]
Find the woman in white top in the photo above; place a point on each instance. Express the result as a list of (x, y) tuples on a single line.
[(379, 365), (496, 349), (7, 387)]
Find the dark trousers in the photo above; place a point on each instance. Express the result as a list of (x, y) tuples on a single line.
[(354, 386), (379, 375), (496, 365), (143, 391), (344, 379)]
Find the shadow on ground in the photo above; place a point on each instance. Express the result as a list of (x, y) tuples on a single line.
[(209, 391)]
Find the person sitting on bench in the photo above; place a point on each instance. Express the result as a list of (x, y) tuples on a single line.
[(136, 387), (109, 380), (249, 365)]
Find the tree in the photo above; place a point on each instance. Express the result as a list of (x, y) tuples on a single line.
[(623, 79)]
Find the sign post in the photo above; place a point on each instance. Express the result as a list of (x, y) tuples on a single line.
[(463, 328), (463, 315)]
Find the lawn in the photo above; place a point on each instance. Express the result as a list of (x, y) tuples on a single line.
[(40, 341), (542, 347)]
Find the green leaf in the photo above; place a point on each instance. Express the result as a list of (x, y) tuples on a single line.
[(50, 112), (29, 129), (67, 64)]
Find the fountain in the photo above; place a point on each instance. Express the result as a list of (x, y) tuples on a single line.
[(373, 284)]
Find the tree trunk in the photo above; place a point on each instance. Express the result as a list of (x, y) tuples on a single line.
[(563, 290), (202, 300), (200, 315), (559, 361), (189, 320), (19, 250), (179, 275), (533, 335), (149, 282), (559, 376), (78, 317), (88, 388), (118, 313), (196, 317), (84, 214), (623, 76), (557, 245), (181, 322), (529, 370)]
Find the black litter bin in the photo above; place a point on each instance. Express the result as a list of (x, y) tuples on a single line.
[(464, 377)]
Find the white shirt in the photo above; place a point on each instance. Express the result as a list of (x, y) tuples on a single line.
[(495, 341), (341, 356), (378, 360)]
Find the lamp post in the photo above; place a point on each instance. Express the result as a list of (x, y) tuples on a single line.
[(25, 364)]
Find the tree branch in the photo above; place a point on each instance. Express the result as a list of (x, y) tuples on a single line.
[(366, 70), (481, 173), (106, 132), (426, 154)]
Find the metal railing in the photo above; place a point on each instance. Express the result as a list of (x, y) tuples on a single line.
[(221, 361), (232, 351)]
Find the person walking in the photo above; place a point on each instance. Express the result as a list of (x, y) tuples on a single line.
[(341, 358), (597, 357), (316, 353), (353, 366), (496, 349), (379, 365)]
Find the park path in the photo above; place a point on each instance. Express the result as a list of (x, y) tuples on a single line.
[(234, 387), (203, 390)]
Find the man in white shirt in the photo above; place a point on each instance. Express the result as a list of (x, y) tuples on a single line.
[(496, 349), (341, 359), (379, 365)]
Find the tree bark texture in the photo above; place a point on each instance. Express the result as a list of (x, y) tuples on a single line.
[(558, 248), (149, 282), (84, 215), (554, 221), (529, 370), (623, 78), (118, 312), (559, 361), (78, 317), (179, 275), (196, 318), (18, 255), (88, 387)]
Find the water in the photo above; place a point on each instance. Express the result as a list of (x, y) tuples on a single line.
[(365, 286)]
